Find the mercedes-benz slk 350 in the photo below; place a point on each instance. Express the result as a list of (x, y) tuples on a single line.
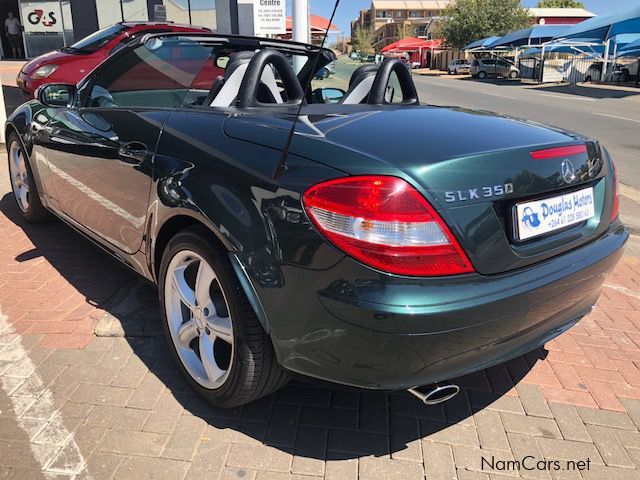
[(359, 237)]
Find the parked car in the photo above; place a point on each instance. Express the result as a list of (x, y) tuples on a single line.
[(594, 72), (364, 58), (71, 64), (495, 67), (325, 71), (459, 66), (627, 71), (326, 244)]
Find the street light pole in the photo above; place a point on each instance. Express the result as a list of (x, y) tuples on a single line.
[(299, 28), (300, 20)]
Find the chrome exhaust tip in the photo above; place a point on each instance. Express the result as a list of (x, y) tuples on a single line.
[(434, 394)]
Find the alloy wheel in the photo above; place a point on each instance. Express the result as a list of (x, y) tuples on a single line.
[(199, 319), (19, 176)]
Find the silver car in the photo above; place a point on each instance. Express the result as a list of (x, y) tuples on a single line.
[(496, 67), (459, 66)]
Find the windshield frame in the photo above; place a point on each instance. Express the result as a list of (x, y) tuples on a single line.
[(97, 40)]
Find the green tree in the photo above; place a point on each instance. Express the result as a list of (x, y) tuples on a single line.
[(466, 21), (363, 40), (560, 4), (405, 30)]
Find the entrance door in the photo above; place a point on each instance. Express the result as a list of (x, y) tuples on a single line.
[(7, 6)]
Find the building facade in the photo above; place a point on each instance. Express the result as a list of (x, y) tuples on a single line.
[(53, 24), (559, 16), (392, 19)]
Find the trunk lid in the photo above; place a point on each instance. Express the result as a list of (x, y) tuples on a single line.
[(474, 168)]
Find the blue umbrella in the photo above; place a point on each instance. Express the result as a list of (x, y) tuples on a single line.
[(480, 43), (529, 36), (604, 27), (630, 49)]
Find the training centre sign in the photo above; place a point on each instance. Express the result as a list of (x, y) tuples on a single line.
[(269, 17)]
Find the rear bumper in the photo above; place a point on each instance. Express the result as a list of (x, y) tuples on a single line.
[(350, 325)]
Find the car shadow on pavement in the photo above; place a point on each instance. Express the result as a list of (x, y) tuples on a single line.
[(511, 82), (594, 91), (311, 419)]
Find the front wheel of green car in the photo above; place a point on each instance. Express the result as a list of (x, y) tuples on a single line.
[(23, 183), (218, 341)]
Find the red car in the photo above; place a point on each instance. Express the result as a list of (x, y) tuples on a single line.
[(71, 64)]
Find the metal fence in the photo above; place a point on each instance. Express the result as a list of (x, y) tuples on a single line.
[(570, 69)]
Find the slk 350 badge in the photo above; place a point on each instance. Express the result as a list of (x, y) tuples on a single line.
[(478, 193)]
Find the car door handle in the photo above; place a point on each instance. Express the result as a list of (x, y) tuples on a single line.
[(133, 152)]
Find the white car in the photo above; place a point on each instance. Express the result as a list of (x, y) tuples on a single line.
[(459, 66), (627, 71)]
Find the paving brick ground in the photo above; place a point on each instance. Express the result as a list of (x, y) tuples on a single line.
[(76, 405)]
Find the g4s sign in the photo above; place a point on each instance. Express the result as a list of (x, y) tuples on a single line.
[(39, 17), (43, 18)]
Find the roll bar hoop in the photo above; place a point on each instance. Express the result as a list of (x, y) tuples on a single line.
[(379, 87), (247, 95)]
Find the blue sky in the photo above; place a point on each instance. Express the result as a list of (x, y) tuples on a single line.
[(348, 9)]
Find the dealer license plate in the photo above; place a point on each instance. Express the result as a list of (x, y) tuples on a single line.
[(550, 214)]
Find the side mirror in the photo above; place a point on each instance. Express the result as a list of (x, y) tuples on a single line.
[(56, 95), (327, 95)]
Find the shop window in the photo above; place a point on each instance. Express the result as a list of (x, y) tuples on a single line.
[(195, 12), (113, 11), (133, 10), (108, 12), (44, 27)]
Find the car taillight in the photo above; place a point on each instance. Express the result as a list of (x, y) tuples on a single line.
[(386, 224), (615, 209), (558, 152)]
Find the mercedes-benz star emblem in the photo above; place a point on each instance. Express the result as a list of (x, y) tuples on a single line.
[(568, 171)]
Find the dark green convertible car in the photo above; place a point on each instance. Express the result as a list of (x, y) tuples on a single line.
[(355, 236)]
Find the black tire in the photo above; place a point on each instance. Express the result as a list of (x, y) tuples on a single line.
[(254, 370), (35, 212), (455, 72), (513, 75), (482, 75), (325, 73)]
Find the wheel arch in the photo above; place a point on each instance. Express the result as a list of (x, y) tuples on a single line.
[(181, 221), (11, 128), (20, 122), (166, 231)]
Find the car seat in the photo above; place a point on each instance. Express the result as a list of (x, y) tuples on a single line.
[(225, 88), (360, 85)]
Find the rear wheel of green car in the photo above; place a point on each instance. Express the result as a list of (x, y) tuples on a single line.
[(218, 341)]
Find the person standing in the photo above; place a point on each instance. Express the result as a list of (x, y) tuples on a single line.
[(13, 29)]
